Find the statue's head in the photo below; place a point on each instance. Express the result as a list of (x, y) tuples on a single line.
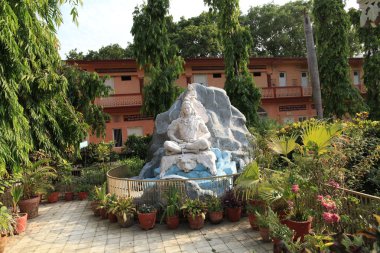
[(187, 109)]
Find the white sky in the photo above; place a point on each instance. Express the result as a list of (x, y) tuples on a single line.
[(104, 22)]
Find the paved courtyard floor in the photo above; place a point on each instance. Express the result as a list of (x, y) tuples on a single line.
[(72, 227)]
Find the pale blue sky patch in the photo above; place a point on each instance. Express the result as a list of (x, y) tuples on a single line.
[(104, 22)]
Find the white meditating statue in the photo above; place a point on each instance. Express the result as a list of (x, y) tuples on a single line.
[(188, 133), (189, 143)]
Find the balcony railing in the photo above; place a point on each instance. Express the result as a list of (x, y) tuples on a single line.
[(119, 100), (286, 92)]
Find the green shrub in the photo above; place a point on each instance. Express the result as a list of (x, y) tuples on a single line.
[(134, 165), (137, 146)]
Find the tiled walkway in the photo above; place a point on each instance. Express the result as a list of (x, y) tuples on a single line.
[(71, 227)]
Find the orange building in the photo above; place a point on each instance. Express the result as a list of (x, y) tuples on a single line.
[(285, 90)]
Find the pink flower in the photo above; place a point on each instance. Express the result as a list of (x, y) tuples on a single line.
[(327, 217), (329, 204), (295, 188), (334, 184), (335, 217), (319, 197)]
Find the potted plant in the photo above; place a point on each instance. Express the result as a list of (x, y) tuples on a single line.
[(67, 182), (20, 218), (110, 205), (82, 190), (35, 179), (215, 210), (195, 211), (53, 196), (6, 227), (99, 198), (279, 233), (252, 208), (299, 220), (263, 223), (124, 209), (172, 208), (232, 205), (147, 216)]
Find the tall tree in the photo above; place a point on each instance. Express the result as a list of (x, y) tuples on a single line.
[(34, 110), (236, 41), (110, 52), (83, 88), (277, 29), (156, 55), (370, 37), (197, 36), (332, 24)]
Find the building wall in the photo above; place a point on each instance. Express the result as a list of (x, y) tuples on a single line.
[(265, 72)]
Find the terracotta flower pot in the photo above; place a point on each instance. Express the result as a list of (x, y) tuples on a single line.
[(278, 245), (215, 217), (196, 222), (112, 217), (147, 220), (69, 196), (82, 195), (301, 228), (30, 206), (252, 221), (103, 213), (233, 213), (94, 208), (264, 233), (21, 222), (3, 243), (125, 223), (172, 222), (53, 197)]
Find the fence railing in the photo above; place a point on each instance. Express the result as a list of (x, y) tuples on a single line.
[(120, 100)]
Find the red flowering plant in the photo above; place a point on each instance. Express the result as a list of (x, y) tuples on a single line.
[(298, 212)]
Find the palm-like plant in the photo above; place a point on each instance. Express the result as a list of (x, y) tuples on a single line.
[(36, 178), (318, 137), (283, 145), (16, 193)]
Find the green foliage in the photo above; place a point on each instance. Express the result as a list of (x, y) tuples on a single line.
[(16, 193), (144, 208), (98, 153), (7, 223), (35, 112), (83, 88), (156, 55), (137, 146), (277, 29), (36, 178), (124, 207), (214, 204), (100, 193), (134, 166), (283, 145), (95, 175), (236, 40), (332, 24), (110, 52), (173, 202), (194, 208)]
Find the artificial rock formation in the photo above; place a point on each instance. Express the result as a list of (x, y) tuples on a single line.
[(224, 122)]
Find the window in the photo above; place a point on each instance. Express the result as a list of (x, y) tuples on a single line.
[(287, 108), (282, 78), (110, 82), (118, 137), (217, 75), (356, 77), (304, 79), (201, 79), (302, 118), (138, 131), (256, 73), (126, 78)]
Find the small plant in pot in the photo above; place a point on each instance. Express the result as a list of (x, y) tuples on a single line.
[(53, 196), (7, 225), (82, 188), (20, 218), (232, 205), (279, 233), (110, 205), (215, 209), (124, 209), (147, 216), (99, 198), (67, 182), (195, 211), (172, 207), (252, 208), (263, 222), (36, 180)]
